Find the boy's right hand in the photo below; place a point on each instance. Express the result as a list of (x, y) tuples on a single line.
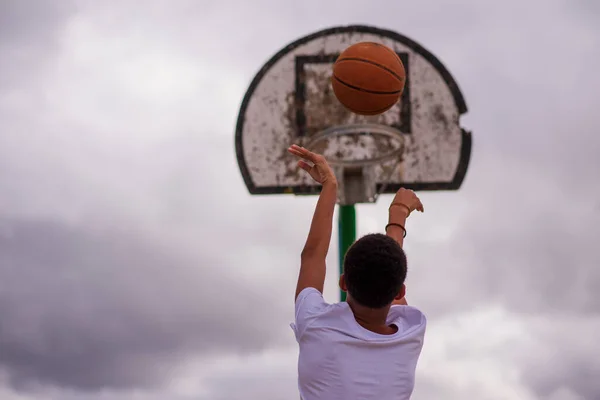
[(317, 167), (407, 200)]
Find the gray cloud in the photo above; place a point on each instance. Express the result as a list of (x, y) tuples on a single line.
[(568, 362), (576, 374), (97, 309), (29, 21), (29, 33)]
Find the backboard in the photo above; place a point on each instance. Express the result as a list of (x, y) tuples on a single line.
[(290, 100)]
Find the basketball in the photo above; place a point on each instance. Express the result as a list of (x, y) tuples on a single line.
[(368, 78)]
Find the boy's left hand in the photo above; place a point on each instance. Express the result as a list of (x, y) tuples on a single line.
[(408, 200), (320, 170)]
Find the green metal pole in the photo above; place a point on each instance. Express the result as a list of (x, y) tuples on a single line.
[(347, 235)]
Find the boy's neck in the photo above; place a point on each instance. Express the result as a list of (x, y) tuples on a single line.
[(374, 320)]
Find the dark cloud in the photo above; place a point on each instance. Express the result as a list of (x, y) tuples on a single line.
[(566, 359), (107, 309), (29, 34), (26, 22), (588, 10), (577, 375)]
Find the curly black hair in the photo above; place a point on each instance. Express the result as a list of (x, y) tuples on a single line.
[(374, 270)]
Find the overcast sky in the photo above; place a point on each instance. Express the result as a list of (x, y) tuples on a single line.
[(135, 265)]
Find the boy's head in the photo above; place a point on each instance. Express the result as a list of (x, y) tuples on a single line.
[(374, 271)]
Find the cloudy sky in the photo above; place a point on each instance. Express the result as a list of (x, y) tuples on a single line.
[(134, 265)]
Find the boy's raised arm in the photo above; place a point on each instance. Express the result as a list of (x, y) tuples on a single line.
[(312, 260), (405, 202)]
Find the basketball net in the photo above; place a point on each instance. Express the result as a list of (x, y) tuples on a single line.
[(357, 178)]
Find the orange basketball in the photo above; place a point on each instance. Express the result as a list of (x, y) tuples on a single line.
[(368, 78)]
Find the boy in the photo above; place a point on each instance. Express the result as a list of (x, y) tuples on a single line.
[(367, 347)]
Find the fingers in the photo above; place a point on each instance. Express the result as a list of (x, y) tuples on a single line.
[(315, 164), (303, 153), (419, 206), (304, 165)]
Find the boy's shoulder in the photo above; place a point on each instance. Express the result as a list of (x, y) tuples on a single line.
[(411, 314), (314, 313)]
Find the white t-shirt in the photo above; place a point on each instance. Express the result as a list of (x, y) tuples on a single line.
[(339, 359)]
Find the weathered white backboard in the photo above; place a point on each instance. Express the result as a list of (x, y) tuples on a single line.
[(290, 99)]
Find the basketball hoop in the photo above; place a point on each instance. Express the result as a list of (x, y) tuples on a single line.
[(357, 181)]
